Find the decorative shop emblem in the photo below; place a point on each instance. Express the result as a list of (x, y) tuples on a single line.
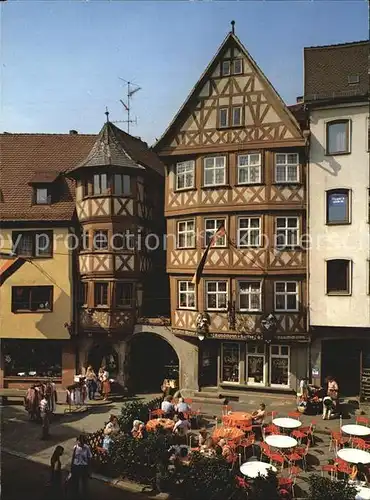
[(269, 327), (202, 325)]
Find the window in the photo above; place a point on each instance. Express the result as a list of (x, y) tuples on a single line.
[(224, 117), (237, 116), (338, 277), (279, 365), (286, 167), (256, 364), (337, 206), (185, 175), (286, 296), (32, 358), (337, 137), (100, 240), (83, 291), (216, 295), (215, 171), (225, 68), (124, 295), (250, 295), (42, 196), (186, 295), (85, 188), (249, 168), (100, 294), (287, 232), (230, 361), (85, 240), (119, 241), (100, 184), (32, 298), (122, 184), (249, 232), (237, 66), (186, 234), (211, 227), (33, 243)]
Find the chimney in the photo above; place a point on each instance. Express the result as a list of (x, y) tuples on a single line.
[(73, 132), (300, 99)]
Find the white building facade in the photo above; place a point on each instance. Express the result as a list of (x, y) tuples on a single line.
[(336, 95)]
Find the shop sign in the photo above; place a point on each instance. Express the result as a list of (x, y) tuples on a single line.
[(315, 371)]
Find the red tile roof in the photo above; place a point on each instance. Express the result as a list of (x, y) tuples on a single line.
[(22, 156)]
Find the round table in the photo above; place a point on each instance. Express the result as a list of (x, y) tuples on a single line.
[(236, 417), (228, 433), (287, 423), (363, 493), (153, 424), (354, 456), (254, 469), (356, 430), (278, 441)]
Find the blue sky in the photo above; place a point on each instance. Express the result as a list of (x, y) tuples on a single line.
[(61, 60)]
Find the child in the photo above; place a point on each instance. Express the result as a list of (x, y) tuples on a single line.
[(327, 407)]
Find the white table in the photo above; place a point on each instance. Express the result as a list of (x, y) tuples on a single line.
[(287, 423), (253, 469), (278, 441), (356, 430), (354, 456), (362, 493)]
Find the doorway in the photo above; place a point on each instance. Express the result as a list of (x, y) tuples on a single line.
[(208, 362), (342, 360), (152, 360), (103, 354)]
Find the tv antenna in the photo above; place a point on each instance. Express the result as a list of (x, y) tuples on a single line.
[(132, 88)]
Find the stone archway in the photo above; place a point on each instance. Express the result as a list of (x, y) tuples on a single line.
[(186, 353)]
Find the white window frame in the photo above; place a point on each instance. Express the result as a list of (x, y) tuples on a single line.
[(349, 130), (40, 199), (284, 231), (214, 168), (189, 233), (222, 366), (241, 66), (187, 294), (286, 166), (217, 293), (188, 173), (273, 356), (225, 61), (233, 124), (218, 221), (286, 293), (248, 167), (251, 353), (248, 230), (249, 293)]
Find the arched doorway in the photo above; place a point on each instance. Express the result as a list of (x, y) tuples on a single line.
[(103, 354), (152, 359)]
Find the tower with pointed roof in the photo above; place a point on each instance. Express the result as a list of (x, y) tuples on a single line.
[(119, 201), (235, 158)]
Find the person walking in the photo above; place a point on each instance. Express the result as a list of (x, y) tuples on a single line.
[(45, 417), (91, 382), (80, 468), (56, 472), (51, 395)]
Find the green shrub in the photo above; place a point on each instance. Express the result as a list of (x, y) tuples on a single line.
[(322, 488), (136, 410)]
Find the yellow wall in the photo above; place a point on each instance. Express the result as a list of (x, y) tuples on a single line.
[(54, 271)]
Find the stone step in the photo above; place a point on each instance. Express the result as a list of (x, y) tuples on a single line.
[(206, 394), (208, 400)]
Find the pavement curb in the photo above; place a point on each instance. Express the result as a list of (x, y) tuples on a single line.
[(117, 483)]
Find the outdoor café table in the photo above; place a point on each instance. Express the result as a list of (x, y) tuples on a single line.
[(362, 493), (356, 430), (153, 424), (238, 417), (253, 469), (354, 456), (287, 423), (228, 433), (279, 441)]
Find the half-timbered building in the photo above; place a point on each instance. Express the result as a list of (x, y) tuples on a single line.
[(235, 156)]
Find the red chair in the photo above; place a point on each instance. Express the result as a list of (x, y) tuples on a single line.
[(295, 414), (294, 471), (358, 443), (330, 469), (155, 414), (303, 452), (188, 401), (286, 483), (271, 429), (362, 421), (245, 444), (277, 459), (344, 468), (299, 435), (292, 457), (272, 414), (265, 450), (310, 431)]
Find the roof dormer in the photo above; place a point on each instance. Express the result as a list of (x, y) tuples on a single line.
[(44, 187)]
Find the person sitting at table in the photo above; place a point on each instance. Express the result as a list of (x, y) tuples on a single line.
[(358, 473), (203, 436), (167, 407), (208, 448), (259, 415), (182, 407), (137, 429), (182, 426)]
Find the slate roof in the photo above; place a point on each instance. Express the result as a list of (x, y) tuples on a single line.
[(327, 68), (29, 158), (114, 147)]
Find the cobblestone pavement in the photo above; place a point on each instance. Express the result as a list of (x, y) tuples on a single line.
[(20, 435)]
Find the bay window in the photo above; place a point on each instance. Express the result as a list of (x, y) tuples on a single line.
[(185, 174), (215, 171), (249, 168), (249, 232)]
